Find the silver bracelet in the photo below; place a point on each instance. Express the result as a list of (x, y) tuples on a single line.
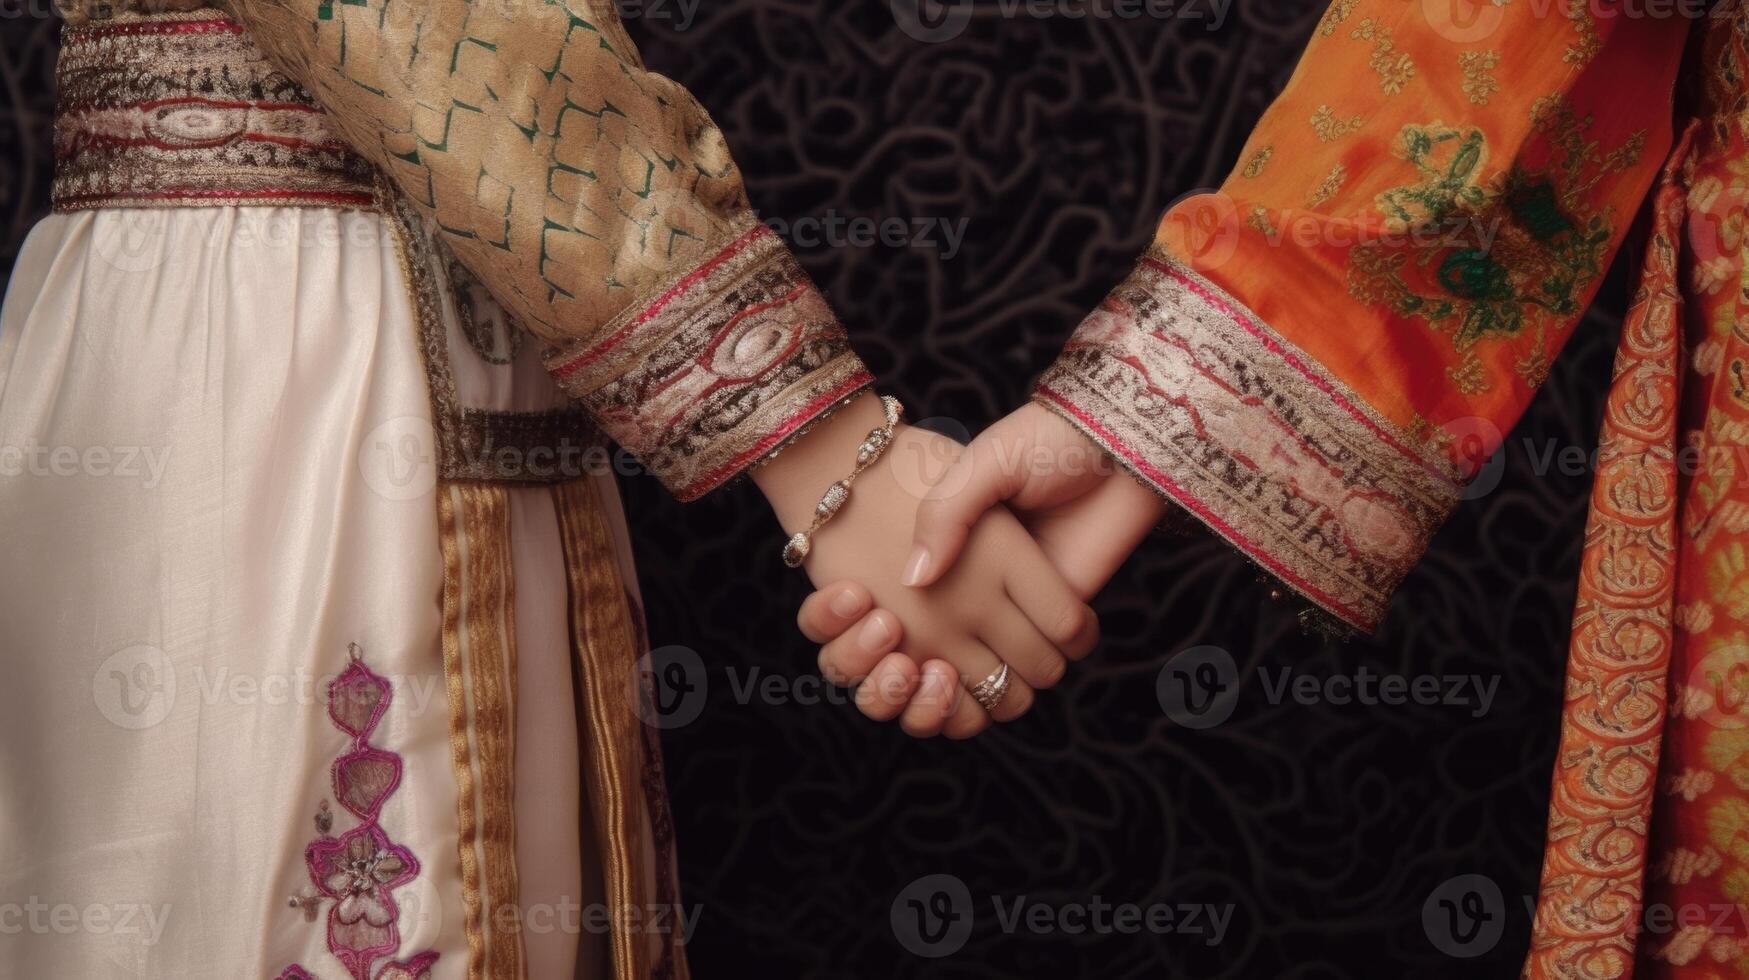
[(795, 551)]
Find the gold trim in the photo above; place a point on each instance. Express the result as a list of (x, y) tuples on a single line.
[(605, 641), (454, 673), (1209, 406), (479, 443), (182, 110), (479, 645)]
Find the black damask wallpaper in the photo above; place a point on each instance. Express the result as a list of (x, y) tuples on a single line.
[(965, 186)]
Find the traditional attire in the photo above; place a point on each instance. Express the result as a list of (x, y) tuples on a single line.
[(323, 633), (1314, 360)]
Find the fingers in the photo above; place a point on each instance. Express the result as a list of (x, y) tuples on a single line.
[(1028, 654), (851, 657), (1109, 524), (984, 664), (966, 718), (937, 698), (835, 608), (1066, 622), (972, 485), (889, 688), (969, 717)]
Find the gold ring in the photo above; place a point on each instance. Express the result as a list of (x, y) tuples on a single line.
[(989, 691)]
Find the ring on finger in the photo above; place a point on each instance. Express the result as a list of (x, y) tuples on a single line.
[(990, 691)]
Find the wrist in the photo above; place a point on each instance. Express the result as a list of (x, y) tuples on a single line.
[(793, 480)]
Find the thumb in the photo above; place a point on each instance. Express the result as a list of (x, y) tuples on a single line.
[(971, 485)]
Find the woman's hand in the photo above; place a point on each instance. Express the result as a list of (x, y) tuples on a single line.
[(1001, 602), (1084, 512)]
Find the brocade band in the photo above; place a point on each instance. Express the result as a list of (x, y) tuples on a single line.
[(180, 110), (1215, 411), (729, 362)]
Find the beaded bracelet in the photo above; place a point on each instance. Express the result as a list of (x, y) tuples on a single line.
[(832, 501)]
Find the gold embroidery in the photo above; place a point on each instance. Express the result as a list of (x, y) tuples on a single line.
[(1394, 68), (1213, 409), (525, 448), (1328, 187), (1335, 15), (579, 185), (460, 743), (489, 617), (606, 642), (1329, 128), (479, 655), (1260, 220), (182, 111), (1478, 68), (1256, 162), (731, 361), (80, 12), (1586, 46)]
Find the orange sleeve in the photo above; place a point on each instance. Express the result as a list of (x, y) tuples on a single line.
[(1313, 358)]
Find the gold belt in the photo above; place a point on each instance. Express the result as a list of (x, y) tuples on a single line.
[(180, 110)]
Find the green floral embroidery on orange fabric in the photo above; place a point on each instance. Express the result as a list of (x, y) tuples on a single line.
[(1480, 255)]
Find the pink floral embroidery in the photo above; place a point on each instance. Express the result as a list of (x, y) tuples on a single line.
[(357, 873)]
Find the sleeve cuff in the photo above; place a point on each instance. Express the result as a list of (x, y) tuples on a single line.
[(1223, 416), (728, 363)]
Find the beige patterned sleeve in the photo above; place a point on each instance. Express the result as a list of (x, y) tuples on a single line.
[(598, 202)]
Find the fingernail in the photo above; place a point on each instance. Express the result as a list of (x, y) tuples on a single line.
[(875, 634), (846, 604), (918, 564)]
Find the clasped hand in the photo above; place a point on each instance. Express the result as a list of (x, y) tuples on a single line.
[(951, 561)]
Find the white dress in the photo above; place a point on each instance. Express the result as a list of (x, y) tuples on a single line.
[(232, 737)]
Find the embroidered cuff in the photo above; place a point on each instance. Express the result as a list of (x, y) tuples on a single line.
[(1217, 412), (731, 361)]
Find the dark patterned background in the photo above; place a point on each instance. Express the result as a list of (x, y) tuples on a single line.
[(1325, 827)]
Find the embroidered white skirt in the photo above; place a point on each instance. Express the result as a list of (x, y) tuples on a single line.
[(226, 729)]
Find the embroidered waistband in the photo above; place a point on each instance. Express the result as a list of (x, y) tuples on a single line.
[(180, 110)]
